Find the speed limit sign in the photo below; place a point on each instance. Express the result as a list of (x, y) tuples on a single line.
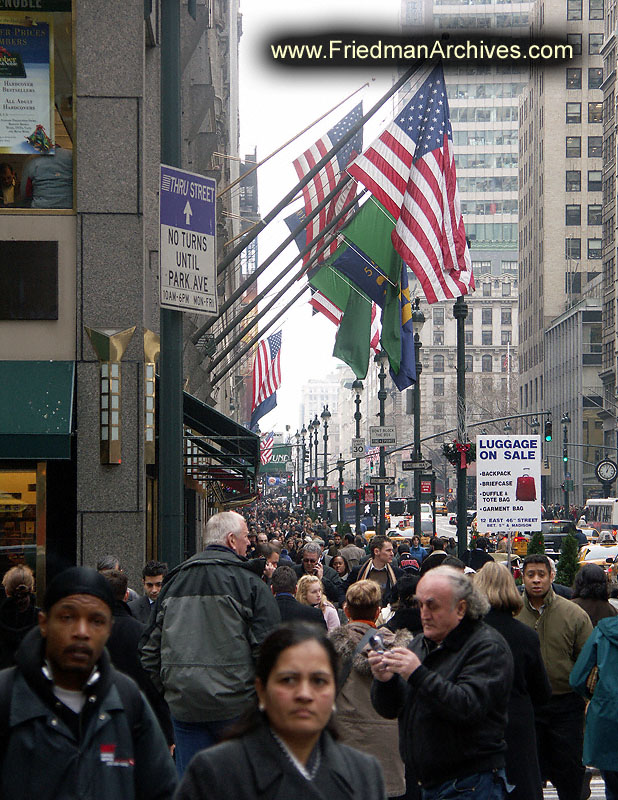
[(358, 447)]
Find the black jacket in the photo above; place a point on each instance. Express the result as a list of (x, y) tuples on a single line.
[(290, 609), (140, 609), (14, 625), (333, 588), (453, 709), (254, 767)]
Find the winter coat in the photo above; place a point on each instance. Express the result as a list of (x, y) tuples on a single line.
[(419, 553), (50, 753), (530, 688), (359, 725), (254, 767), (14, 625), (601, 649), (453, 708), (211, 616), (563, 628), (291, 609), (333, 588), (596, 608)]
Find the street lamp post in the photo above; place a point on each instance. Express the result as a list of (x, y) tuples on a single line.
[(341, 467), (460, 312), (381, 358), (565, 420), (418, 320), (325, 417), (297, 476), (316, 425), (303, 433), (357, 386)]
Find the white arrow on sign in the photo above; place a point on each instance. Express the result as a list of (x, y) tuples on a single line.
[(188, 212)]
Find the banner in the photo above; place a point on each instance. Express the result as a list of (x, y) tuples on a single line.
[(508, 483), (26, 88), (282, 454)]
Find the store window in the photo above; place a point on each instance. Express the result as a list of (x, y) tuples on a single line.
[(36, 122), (22, 519)]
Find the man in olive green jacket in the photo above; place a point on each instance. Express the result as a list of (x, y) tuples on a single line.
[(563, 628)]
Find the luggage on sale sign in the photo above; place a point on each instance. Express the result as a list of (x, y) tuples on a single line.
[(525, 488)]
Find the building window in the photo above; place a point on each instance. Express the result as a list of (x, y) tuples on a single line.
[(469, 365), (505, 316), (573, 146), (574, 10), (595, 113), (595, 77), (438, 363), (486, 338), (595, 43), (573, 113), (486, 363), (573, 180), (438, 316), (438, 409), (438, 338), (509, 266), (595, 183), (470, 318), (574, 78), (595, 9), (438, 387), (573, 282), (481, 267), (595, 146), (573, 215), (572, 248), (468, 339), (594, 248), (594, 215), (487, 289), (575, 40), (505, 337), (506, 288), (486, 316)]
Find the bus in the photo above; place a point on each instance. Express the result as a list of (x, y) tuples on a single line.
[(602, 513)]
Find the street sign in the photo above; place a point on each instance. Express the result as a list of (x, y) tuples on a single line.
[(387, 480), (370, 495), (422, 465), (187, 263), (568, 485), (357, 447), (289, 466), (382, 435), (425, 487)]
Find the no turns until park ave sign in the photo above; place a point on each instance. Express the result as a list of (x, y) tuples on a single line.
[(187, 264)]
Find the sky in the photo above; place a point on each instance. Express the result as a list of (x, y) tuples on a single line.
[(277, 102)]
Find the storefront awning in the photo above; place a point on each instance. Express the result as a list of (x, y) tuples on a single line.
[(222, 451), (36, 409)]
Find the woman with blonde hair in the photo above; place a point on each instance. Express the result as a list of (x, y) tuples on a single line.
[(310, 592), (530, 682), (18, 612)]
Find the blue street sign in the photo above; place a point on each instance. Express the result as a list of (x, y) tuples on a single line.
[(187, 264)]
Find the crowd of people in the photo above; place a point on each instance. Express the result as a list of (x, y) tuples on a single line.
[(286, 660)]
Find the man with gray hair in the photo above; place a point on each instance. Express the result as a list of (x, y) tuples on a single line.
[(211, 615), (450, 689), (313, 564)]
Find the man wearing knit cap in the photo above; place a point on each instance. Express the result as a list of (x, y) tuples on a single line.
[(70, 724)]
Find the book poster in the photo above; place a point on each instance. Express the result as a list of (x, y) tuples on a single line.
[(26, 108)]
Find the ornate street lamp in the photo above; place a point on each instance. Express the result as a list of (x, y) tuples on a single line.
[(381, 359), (341, 467), (325, 415), (418, 320), (357, 387), (565, 421)]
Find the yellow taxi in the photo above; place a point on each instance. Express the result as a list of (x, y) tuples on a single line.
[(441, 508), (602, 554)]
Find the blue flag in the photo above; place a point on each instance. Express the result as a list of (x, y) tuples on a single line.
[(407, 366), (261, 410)]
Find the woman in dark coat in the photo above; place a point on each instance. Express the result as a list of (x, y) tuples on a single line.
[(285, 751), (18, 612), (530, 682), (591, 592)]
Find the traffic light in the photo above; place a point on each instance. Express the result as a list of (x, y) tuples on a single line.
[(548, 431), (565, 455), (371, 466)]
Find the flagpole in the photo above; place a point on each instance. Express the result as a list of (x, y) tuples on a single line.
[(307, 249), (289, 141), (227, 259)]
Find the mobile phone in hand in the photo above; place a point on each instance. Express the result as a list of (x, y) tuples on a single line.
[(376, 643)]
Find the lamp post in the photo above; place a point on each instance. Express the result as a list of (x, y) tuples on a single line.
[(340, 467), (316, 425), (565, 420), (303, 433), (381, 358), (357, 387), (460, 312), (297, 488), (325, 415), (418, 320)]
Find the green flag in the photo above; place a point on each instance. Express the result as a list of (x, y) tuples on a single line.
[(354, 334), (370, 231)]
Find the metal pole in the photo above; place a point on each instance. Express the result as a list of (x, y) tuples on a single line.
[(310, 429), (340, 467), (325, 466), (382, 399), (460, 312), (417, 437), (565, 466), (171, 485), (357, 419)]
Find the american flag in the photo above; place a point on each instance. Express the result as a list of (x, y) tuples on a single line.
[(266, 369), (410, 169), (328, 178), (266, 448)]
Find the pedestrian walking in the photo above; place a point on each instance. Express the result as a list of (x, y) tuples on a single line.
[(310, 592)]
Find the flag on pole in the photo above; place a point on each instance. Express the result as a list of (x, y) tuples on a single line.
[(266, 377), (266, 448), (328, 178), (410, 169)]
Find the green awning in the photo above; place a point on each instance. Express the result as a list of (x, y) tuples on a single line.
[(36, 409)]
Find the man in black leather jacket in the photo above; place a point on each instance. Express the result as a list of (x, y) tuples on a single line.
[(450, 689)]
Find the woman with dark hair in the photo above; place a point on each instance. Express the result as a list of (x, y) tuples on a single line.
[(591, 592), (18, 612), (286, 749), (531, 686), (340, 564)]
